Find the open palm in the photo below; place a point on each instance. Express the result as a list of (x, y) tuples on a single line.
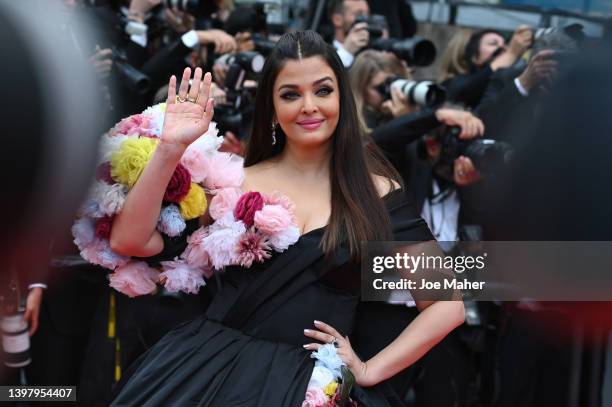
[(188, 115)]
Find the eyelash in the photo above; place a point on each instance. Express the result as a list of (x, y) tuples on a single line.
[(293, 95)]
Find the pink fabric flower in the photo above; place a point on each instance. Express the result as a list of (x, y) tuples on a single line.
[(253, 247), (103, 227), (222, 243), (197, 162), (247, 206), (180, 276), (272, 219), (195, 254), (134, 279), (224, 201), (224, 171), (140, 124), (315, 397), (103, 173), (179, 185), (276, 198), (99, 252)]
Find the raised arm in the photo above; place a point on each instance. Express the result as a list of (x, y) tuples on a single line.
[(187, 118)]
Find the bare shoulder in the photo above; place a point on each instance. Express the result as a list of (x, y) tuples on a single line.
[(384, 185), (256, 175)]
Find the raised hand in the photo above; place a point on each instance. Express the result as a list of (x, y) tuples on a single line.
[(188, 115)]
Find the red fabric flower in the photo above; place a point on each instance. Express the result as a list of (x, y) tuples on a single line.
[(103, 227), (179, 185), (246, 207), (103, 173)]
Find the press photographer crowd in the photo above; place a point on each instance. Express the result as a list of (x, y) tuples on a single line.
[(496, 135)]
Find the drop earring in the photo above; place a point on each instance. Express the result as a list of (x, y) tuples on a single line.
[(273, 128)]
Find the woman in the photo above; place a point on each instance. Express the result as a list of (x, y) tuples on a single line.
[(486, 51), (368, 74), (253, 345)]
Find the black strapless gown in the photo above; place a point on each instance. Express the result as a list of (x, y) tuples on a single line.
[(247, 349)]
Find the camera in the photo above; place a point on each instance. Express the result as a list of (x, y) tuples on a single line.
[(487, 155), (422, 93), (251, 18), (416, 51), (235, 114), (135, 80), (376, 24)]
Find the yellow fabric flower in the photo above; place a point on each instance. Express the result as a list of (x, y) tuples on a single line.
[(330, 389), (132, 157), (194, 204)]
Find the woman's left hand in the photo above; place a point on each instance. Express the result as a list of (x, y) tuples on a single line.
[(327, 334)]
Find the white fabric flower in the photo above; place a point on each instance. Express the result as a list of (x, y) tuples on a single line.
[(110, 198), (108, 145), (157, 114), (321, 377), (280, 241), (170, 221), (222, 242)]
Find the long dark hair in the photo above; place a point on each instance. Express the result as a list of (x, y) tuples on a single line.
[(357, 212), (472, 49)]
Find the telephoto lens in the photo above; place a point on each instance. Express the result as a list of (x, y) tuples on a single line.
[(422, 93), (415, 51)]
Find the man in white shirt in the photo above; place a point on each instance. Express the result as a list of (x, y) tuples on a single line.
[(348, 40)]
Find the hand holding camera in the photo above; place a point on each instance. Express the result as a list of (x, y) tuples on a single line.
[(102, 62), (223, 42), (470, 125), (357, 38), (398, 105), (540, 70), (521, 41)]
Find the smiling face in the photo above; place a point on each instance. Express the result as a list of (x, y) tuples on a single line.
[(307, 101)]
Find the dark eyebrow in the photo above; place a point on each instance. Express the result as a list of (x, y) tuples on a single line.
[(318, 81)]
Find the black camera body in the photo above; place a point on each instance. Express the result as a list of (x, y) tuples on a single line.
[(376, 25), (487, 155), (135, 80), (235, 114), (416, 51)]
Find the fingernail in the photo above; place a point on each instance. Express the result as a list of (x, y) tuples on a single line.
[(306, 331), (306, 346), (317, 322)]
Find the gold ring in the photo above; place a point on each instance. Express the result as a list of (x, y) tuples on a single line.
[(180, 99), (192, 100)]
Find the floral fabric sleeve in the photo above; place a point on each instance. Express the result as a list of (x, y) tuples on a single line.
[(247, 227)]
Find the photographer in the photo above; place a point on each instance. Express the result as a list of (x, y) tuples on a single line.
[(152, 39), (396, 123), (349, 39), (515, 91), (486, 52)]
